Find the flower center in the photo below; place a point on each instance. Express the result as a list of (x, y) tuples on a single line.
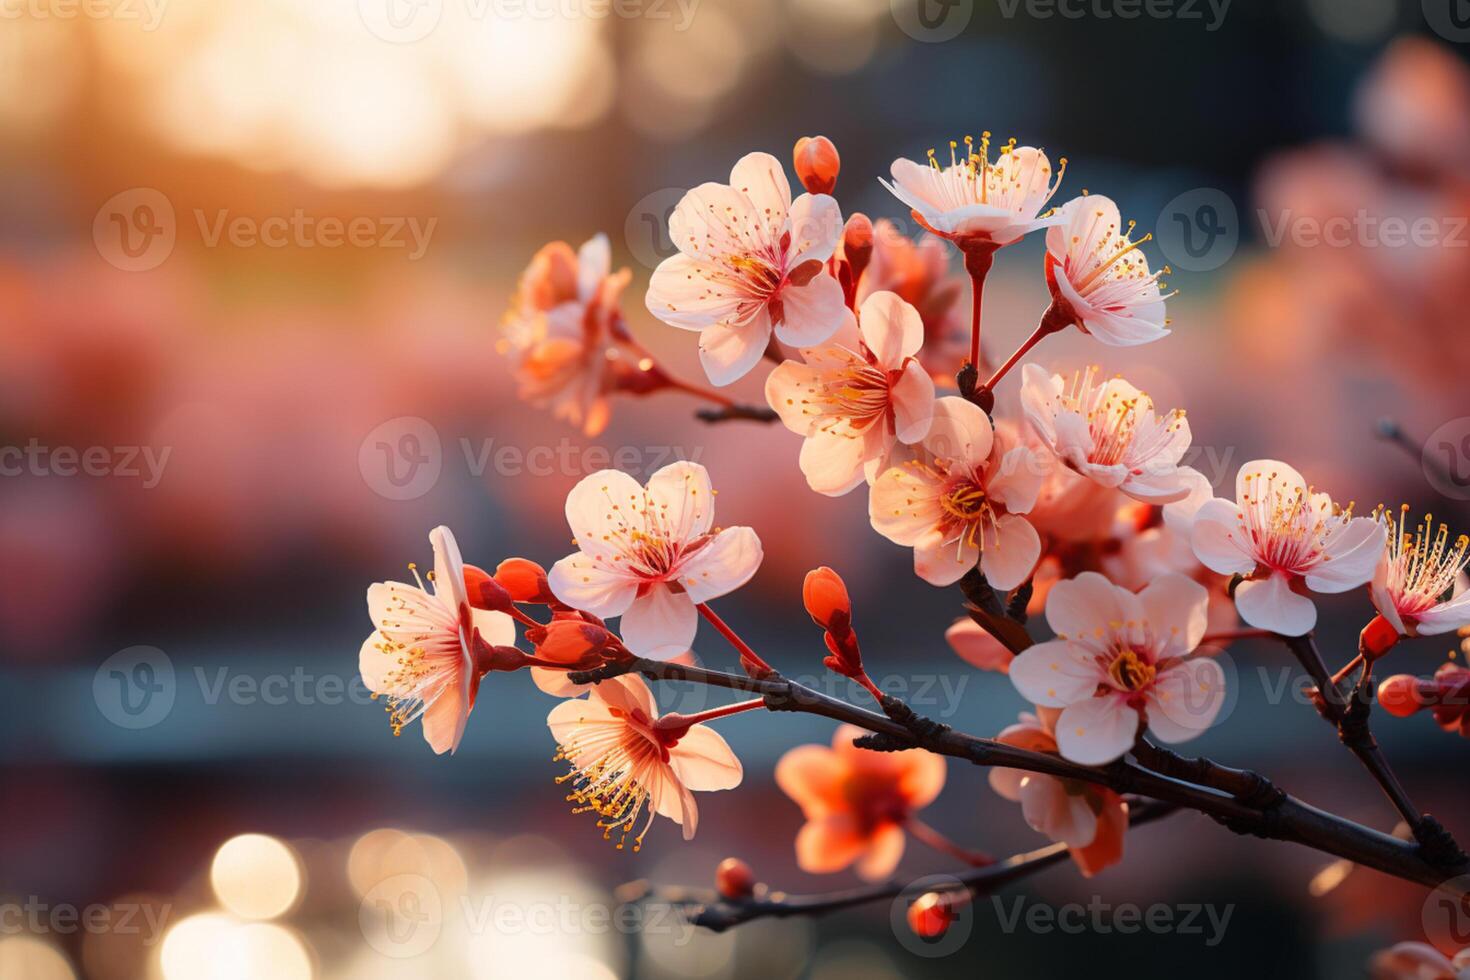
[(1130, 672), (606, 760), (1423, 566), (760, 277), (973, 178), (1289, 526)]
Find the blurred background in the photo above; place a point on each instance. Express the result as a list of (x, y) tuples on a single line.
[(245, 244)]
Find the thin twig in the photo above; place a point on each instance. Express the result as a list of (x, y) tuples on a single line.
[(703, 907), (731, 413)]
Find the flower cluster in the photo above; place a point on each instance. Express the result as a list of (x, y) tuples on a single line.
[(1080, 506)]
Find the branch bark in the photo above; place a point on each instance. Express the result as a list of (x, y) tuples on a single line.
[(1283, 818)]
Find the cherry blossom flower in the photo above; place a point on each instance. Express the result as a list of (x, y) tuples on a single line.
[(750, 260), (1091, 820), (854, 399), (975, 198), (1280, 535), (420, 657), (960, 499), (1098, 277), (1109, 433), (651, 555), (559, 328), (1418, 961), (1419, 583), (625, 764), (1121, 661), (856, 802)]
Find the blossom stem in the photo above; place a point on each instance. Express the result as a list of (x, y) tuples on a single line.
[(749, 659), (978, 260), (1240, 634), (1051, 321), (522, 617), (676, 720), (942, 844)]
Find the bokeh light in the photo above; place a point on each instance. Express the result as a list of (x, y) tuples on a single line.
[(256, 877)]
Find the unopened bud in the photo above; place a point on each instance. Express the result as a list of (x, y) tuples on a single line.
[(817, 164), (573, 642), (484, 592), (524, 580), (734, 879), (825, 596), (857, 245), (1378, 637), (930, 915), (1399, 695)]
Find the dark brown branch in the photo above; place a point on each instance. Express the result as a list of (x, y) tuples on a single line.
[(704, 907), (1285, 819), (1351, 716)]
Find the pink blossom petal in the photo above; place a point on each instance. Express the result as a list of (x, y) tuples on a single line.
[(761, 178), (690, 293), (1352, 554), (660, 624), (1270, 604), (1178, 609), (1186, 699), (683, 500), (884, 852), (833, 461), (1084, 605), (584, 584), (729, 352), (811, 313), (1096, 731), (816, 228), (891, 328), (1051, 810), (1219, 540), (912, 398), (1055, 674), (944, 562), (978, 648), (1017, 481), (829, 844), (1012, 549), (704, 761), (720, 567)]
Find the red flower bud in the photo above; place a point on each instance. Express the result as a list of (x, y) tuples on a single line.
[(930, 915), (857, 246), (484, 592), (1378, 637), (817, 164), (1399, 695), (573, 642), (524, 580), (825, 596), (734, 879)]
